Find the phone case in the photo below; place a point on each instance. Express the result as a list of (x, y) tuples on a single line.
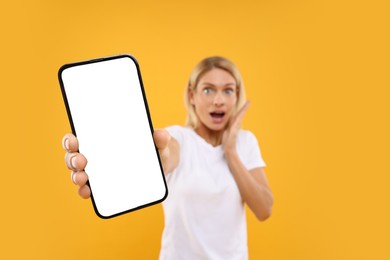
[(108, 112)]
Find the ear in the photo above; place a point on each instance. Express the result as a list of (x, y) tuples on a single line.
[(191, 95)]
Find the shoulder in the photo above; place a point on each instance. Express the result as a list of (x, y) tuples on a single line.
[(174, 128), (178, 132), (246, 137), (178, 129), (249, 150)]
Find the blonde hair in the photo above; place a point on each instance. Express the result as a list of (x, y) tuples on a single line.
[(204, 66)]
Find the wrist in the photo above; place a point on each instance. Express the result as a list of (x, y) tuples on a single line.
[(230, 153)]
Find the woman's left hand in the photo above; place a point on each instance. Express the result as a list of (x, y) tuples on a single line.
[(230, 135)]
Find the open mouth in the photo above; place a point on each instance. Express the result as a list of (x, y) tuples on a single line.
[(217, 117), (217, 114)]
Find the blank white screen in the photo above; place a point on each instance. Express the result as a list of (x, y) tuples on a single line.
[(111, 123)]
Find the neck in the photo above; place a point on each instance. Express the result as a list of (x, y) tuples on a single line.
[(210, 136)]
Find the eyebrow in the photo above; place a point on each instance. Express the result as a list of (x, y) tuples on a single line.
[(211, 84)]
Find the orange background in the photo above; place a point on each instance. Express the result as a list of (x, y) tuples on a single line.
[(317, 73)]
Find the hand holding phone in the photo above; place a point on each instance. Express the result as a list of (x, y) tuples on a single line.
[(107, 106), (76, 162)]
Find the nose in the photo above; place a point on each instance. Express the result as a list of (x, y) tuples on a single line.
[(218, 99)]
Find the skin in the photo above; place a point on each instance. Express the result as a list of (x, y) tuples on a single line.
[(216, 92)]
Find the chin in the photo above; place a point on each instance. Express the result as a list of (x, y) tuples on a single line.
[(217, 127)]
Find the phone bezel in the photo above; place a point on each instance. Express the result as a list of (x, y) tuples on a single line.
[(103, 59)]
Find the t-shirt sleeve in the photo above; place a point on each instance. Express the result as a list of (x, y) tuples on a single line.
[(252, 156), (176, 132)]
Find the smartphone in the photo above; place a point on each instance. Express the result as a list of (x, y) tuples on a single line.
[(108, 112)]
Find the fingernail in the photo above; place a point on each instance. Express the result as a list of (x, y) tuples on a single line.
[(66, 144), (74, 177), (73, 161)]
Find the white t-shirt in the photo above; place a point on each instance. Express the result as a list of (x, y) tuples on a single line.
[(204, 213)]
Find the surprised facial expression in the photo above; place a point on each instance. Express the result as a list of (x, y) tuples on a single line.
[(214, 99)]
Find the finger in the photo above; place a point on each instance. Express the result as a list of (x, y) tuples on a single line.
[(240, 114), (161, 138), (70, 143), (242, 111), (79, 178), (69, 159), (75, 161), (84, 192)]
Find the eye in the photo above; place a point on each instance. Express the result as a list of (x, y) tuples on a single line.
[(207, 90), (229, 91)]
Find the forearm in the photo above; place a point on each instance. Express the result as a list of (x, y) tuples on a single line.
[(254, 190)]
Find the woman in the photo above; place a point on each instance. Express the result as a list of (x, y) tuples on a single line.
[(212, 168)]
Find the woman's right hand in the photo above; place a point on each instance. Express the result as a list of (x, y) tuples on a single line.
[(167, 146), (76, 162)]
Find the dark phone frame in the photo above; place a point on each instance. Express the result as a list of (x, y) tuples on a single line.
[(69, 65)]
